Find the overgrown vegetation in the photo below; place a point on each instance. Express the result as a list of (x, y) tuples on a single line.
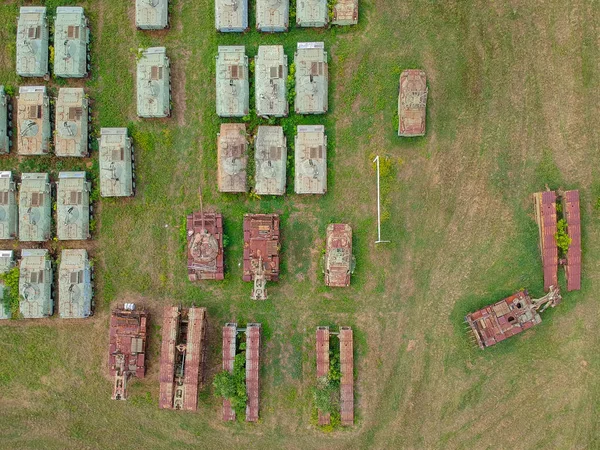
[(563, 241), (326, 393), (11, 291), (232, 386)]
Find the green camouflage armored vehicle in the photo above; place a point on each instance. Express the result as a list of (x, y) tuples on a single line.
[(153, 83), (71, 123), (272, 15), (345, 12), (270, 154), (233, 90), (310, 146), (32, 42), (35, 285), (72, 206), (8, 206), (312, 13), (33, 121), (74, 285), (231, 16), (71, 39), (270, 80), (5, 122), (116, 163), (232, 158), (7, 262), (35, 205), (312, 78), (152, 14)]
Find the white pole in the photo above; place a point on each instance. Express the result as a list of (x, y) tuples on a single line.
[(378, 241)]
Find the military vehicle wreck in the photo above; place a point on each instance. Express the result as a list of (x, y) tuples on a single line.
[(231, 16), (182, 357), (312, 78), (127, 347), (205, 246), (32, 42), (233, 89), (261, 252), (345, 12), (71, 124), (339, 260), (5, 122), (35, 284), (71, 39), (153, 83), (310, 146), (152, 14), (572, 262), (270, 155), (272, 15), (35, 207), (271, 72), (74, 285), (73, 206), (7, 262), (312, 13), (33, 121), (232, 158), (412, 103), (116, 163), (9, 217)]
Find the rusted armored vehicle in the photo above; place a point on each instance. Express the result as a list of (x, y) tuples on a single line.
[(270, 155), (509, 316), (261, 252), (231, 16), (271, 72), (232, 158), (35, 207), (310, 146), (572, 263), (7, 262), (116, 163), (9, 217), (33, 121), (205, 246), (345, 12), (71, 39), (154, 83), (272, 15), (5, 122), (182, 357), (312, 78), (233, 89), (71, 124), (323, 366), (32, 42), (412, 103), (312, 13), (229, 351), (127, 347), (35, 284), (152, 14), (74, 285), (339, 261), (73, 206)]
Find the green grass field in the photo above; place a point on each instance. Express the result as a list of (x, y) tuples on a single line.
[(513, 106)]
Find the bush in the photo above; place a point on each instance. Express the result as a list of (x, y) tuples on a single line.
[(11, 294), (563, 241), (232, 386)]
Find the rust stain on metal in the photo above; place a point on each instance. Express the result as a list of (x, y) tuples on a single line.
[(412, 103), (338, 255), (205, 246), (229, 349), (252, 369), (261, 251), (545, 214), (232, 158), (571, 212), (323, 365), (347, 381)]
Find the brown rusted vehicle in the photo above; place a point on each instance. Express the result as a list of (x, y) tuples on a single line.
[(205, 246), (339, 261), (545, 215), (229, 351), (261, 251), (182, 357), (571, 213), (323, 366), (347, 380), (127, 347), (412, 103), (252, 370)]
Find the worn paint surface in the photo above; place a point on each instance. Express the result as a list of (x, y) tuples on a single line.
[(5, 116), (312, 13), (205, 246), (32, 42), (233, 88), (270, 78), (272, 15), (232, 158), (35, 284), (71, 123), (571, 213), (73, 206), (116, 163), (231, 15), (338, 255), (323, 365), (347, 381), (8, 206), (312, 78), (252, 371), (71, 38), (33, 121), (35, 206), (154, 83), (345, 12), (74, 285), (151, 14), (310, 144), (261, 242), (412, 103), (270, 156), (229, 349), (545, 214)]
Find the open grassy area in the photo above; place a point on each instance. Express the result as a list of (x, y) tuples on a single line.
[(513, 106)]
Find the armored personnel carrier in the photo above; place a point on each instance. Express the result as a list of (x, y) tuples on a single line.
[(345, 12), (116, 163), (205, 246), (5, 122), (73, 206), (127, 347), (35, 206), (71, 123), (9, 216), (154, 83), (312, 78), (233, 90), (272, 15), (35, 284), (312, 13), (270, 155), (182, 357), (71, 39), (232, 150), (261, 252), (310, 146), (33, 121), (271, 72), (231, 16), (412, 103), (152, 14), (339, 261), (7, 262), (32, 42), (74, 285)]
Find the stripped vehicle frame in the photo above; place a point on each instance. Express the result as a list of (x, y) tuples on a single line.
[(261, 252)]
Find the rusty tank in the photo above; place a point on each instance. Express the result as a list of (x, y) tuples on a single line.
[(412, 103), (205, 246), (339, 261), (261, 252)]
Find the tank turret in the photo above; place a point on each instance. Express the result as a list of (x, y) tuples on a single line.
[(71, 39), (116, 163), (412, 103), (205, 246), (270, 156), (310, 146), (271, 72), (73, 206), (35, 206), (33, 121), (74, 285), (9, 217), (151, 14), (35, 284), (32, 42), (339, 261), (154, 83), (71, 123), (312, 78)]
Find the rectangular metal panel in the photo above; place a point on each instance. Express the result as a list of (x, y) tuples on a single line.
[(195, 347), (167, 356), (347, 381), (571, 213), (323, 365), (252, 368), (229, 347)]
